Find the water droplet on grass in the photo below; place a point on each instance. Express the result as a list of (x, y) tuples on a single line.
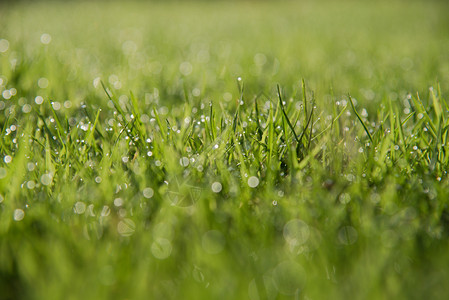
[(148, 193), (129, 47), (196, 92), (161, 248), (6, 94), (56, 105), (126, 227), (197, 274), (105, 211), (375, 198), (31, 166), (344, 198), (46, 179), (227, 96), (45, 38), (296, 232), (260, 59), (43, 83), (118, 202), (184, 161), (216, 187), (26, 108), (90, 210), (67, 104), (253, 181), (289, 278), (185, 68), (19, 214), (347, 235), (80, 207), (4, 45), (39, 100), (31, 184)]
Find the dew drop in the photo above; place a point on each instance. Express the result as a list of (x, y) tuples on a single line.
[(148, 192), (289, 278), (43, 83), (96, 82), (31, 184), (161, 248), (253, 181), (347, 235), (39, 100), (126, 227), (80, 207), (184, 161), (4, 45), (105, 211), (185, 68), (19, 214), (216, 187), (118, 202), (46, 179), (45, 38), (296, 232), (344, 198)]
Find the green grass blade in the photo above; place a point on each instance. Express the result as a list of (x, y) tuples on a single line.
[(360, 119)]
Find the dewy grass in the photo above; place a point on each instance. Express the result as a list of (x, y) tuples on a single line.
[(193, 186)]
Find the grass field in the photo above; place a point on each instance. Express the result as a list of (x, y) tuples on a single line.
[(224, 150)]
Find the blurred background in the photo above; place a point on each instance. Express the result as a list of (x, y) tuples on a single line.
[(371, 49)]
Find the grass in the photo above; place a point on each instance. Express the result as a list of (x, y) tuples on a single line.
[(224, 150)]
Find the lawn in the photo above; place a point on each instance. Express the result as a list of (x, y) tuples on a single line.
[(224, 150)]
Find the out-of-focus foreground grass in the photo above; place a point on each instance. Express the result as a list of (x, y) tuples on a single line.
[(191, 175)]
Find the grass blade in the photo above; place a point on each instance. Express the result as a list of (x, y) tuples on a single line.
[(360, 119)]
